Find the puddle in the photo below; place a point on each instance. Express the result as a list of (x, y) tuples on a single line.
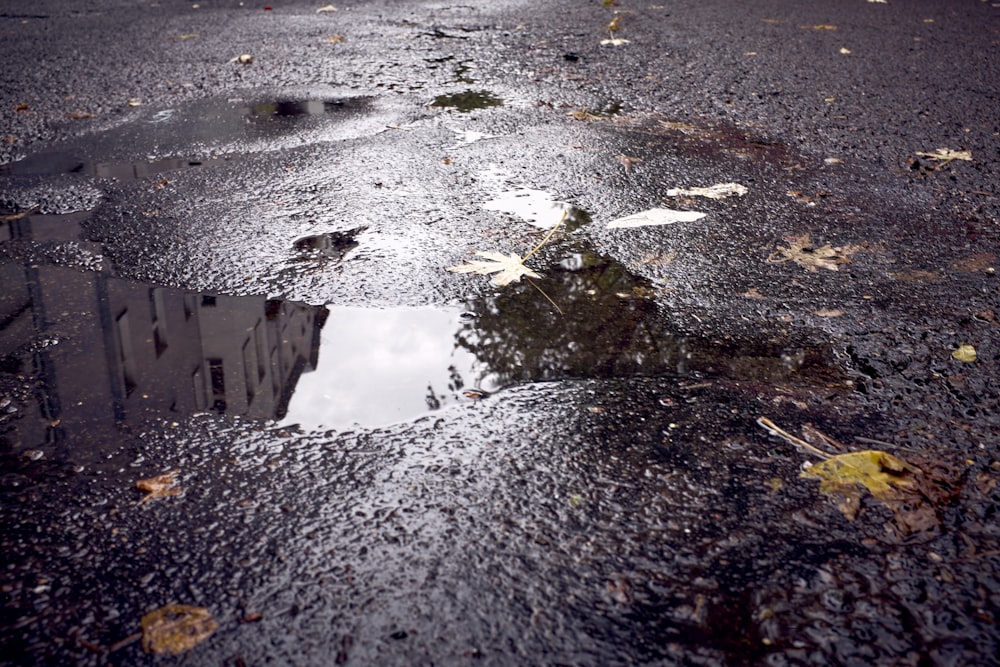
[(228, 124), (538, 208), (329, 246), (94, 354), (84, 355), (467, 101), (44, 164), (466, 137), (462, 70), (384, 366)]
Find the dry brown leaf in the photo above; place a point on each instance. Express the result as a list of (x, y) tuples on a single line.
[(946, 155), (916, 276), (176, 628), (982, 261), (160, 486), (801, 251)]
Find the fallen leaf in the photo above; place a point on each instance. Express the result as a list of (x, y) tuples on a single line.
[(884, 476), (753, 293), (946, 155), (982, 261), (508, 268), (79, 115), (615, 41), (819, 26), (628, 162), (965, 353), (335, 39), (655, 216), (686, 128), (243, 59), (189, 35), (583, 114), (801, 251), (616, 24), (160, 486), (917, 276), (176, 628), (829, 312), (717, 191), (134, 102), (21, 107), (326, 8), (845, 52)]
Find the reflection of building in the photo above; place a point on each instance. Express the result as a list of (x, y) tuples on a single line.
[(105, 351)]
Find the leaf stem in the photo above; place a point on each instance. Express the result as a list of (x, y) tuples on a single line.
[(547, 237), (774, 429)]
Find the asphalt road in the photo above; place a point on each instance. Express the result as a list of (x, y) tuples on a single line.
[(225, 246)]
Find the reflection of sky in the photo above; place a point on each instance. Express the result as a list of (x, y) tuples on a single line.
[(536, 207), (375, 367)]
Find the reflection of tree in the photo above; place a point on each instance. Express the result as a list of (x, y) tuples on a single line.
[(605, 329)]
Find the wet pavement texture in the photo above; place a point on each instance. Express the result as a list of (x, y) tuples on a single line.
[(224, 237)]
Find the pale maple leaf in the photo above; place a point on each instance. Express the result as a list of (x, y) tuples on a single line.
[(508, 268), (801, 251), (946, 155), (161, 486)]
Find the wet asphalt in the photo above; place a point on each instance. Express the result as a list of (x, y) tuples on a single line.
[(226, 229)]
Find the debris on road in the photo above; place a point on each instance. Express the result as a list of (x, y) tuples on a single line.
[(654, 217)]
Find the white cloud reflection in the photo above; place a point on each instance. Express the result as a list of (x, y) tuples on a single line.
[(376, 366)]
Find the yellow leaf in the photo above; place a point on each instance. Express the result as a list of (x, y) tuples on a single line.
[(883, 475), (176, 628), (965, 354)]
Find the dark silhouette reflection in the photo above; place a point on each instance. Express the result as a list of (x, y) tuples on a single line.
[(469, 100), (100, 352), (607, 326)]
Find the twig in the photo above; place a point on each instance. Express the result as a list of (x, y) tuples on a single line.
[(774, 429), (547, 297)]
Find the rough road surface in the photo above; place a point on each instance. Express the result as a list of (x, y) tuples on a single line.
[(226, 229)]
